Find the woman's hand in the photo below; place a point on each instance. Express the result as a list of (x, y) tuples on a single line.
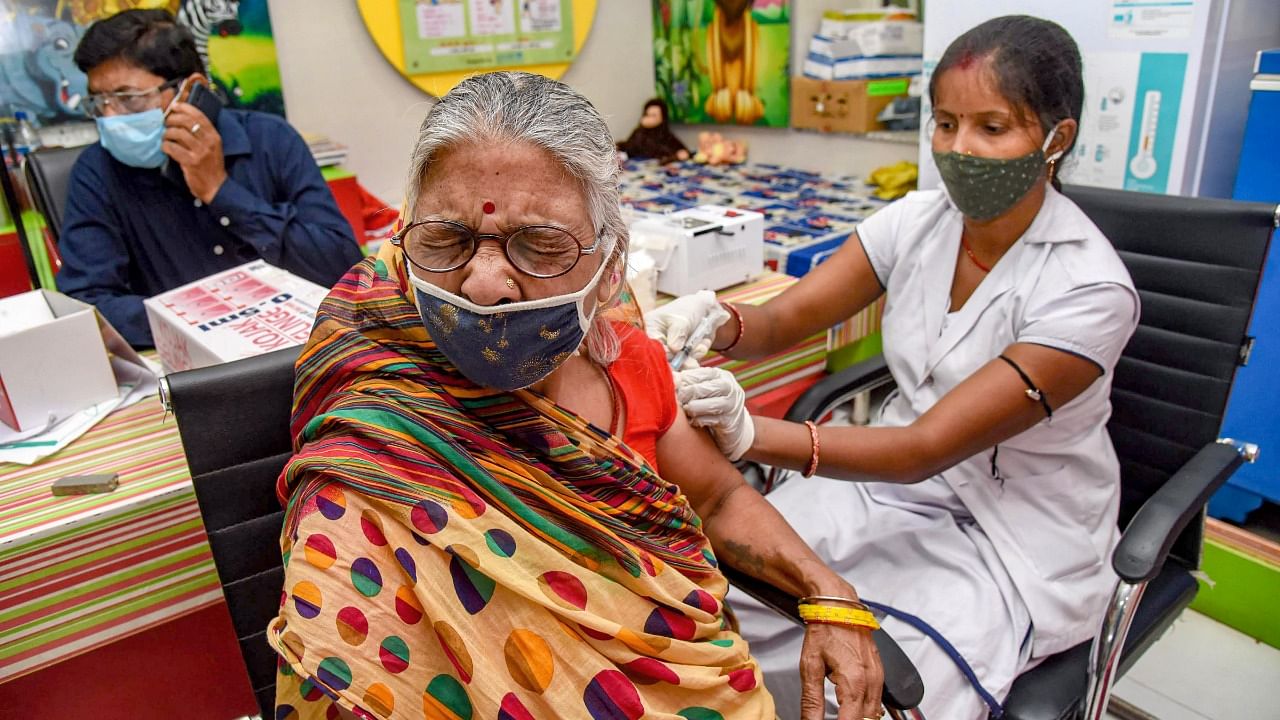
[(673, 323), (849, 657), (713, 399)]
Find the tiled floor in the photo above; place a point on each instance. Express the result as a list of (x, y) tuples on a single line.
[(1204, 669)]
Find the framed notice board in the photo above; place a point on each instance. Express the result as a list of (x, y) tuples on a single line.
[(437, 43)]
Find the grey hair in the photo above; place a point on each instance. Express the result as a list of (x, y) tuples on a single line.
[(504, 107)]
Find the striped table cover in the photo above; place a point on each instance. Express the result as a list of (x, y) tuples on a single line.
[(82, 571)]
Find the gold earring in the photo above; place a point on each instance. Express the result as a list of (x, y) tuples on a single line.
[(511, 283)]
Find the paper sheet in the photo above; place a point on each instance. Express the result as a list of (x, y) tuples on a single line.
[(136, 378)]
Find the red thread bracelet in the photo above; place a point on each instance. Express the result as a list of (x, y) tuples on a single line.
[(737, 316), (816, 444)]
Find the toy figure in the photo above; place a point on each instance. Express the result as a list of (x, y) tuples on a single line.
[(715, 149), (732, 39), (653, 138)]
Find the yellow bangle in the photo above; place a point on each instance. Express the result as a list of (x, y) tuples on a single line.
[(810, 613)]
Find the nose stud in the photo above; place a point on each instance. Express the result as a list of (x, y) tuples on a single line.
[(511, 283)]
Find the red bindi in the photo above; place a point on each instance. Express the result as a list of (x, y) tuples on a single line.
[(488, 207)]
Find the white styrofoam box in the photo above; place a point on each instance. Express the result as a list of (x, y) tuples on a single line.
[(642, 276), (708, 247), (829, 47), (892, 37), (53, 359), (248, 310), (857, 68)]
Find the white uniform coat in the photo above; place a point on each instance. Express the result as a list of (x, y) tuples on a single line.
[(986, 560)]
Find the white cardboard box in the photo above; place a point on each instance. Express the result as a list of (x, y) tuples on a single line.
[(859, 68), (894, 37), (248, 310), (53, 359)]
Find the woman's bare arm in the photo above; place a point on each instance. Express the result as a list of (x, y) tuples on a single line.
[(745, 530), (747, 533), (986, 409), (828, 294)]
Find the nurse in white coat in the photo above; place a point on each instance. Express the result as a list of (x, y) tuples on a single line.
[(983, 499)]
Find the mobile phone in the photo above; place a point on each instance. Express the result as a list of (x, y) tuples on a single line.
[(207, 102), (85, 484)]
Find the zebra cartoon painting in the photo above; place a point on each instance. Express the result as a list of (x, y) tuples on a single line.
[(207, 17)]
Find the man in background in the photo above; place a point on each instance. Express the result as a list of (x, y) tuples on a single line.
[(169, 196)]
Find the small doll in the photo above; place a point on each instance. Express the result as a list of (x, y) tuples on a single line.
[(715, 149), (653, 138)]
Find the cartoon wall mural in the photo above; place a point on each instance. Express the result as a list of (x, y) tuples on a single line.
[(38, 39), (723, 61)]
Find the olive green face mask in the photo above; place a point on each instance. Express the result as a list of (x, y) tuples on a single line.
[(984, 188)]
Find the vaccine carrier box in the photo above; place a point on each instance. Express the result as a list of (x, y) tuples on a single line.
[(707, 247), (248, 310)]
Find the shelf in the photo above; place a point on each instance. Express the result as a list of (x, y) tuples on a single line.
[(901, 137)]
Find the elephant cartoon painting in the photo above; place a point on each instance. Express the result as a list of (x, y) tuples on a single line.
[(38, 39)]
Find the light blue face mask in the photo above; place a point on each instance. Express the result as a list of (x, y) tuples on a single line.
[(136, 139), (506, 347)]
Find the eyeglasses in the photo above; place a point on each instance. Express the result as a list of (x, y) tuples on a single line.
[(125, 103), (542, 251)]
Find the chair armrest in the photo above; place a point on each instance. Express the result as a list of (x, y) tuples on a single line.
[(903, 688), (838, 387), (1146, 541)]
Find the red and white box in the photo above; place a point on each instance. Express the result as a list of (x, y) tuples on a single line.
[(248, 310)]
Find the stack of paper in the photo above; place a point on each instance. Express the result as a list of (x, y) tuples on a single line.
[(324, 150)]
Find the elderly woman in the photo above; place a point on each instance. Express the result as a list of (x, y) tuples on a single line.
[(496, 508)]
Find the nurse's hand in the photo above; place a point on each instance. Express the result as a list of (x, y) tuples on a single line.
[(713, 399), (673, 323), (848, 656)]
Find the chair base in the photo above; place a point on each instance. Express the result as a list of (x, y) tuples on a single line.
[(1055, 689)]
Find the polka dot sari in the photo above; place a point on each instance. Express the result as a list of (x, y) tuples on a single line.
[(455, 552)]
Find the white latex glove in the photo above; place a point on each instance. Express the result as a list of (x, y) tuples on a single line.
[(672, 323), (713, 399)]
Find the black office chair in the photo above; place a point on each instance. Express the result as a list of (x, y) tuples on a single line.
[(1196, 263), (48, 172), (234, 423)]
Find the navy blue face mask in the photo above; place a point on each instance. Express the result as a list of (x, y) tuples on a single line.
[(506, 347)]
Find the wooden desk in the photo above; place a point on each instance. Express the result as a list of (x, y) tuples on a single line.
[(122, 579), (79, 572)]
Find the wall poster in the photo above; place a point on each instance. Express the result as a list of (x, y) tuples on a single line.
[(38, 39), (1130, 121), (447, 35), (723, 61)]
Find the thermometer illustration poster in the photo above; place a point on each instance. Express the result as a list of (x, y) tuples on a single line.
[(1155, 121), (1129, 128)]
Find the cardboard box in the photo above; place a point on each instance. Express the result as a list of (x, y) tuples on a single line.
[(842, 105), (53, 359), (248, 310)]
